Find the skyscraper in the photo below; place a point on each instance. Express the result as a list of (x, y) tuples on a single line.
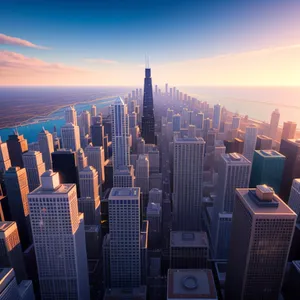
[(262, 231), (35, 167), (97, 133), (71, 115), (82, 160), (120, 132), (142, 173), (294, 200), (5, 162), (263, 143), (89, 201), (95, 157), (148, 123), (234, 172), (187, 178), (199, 120), (59, 240), (65, 163), (274, 124), (17, 190), (124, 230), (176, 122), (217, 116), (124, 177), (11, 254), (85, 123), (155, 196), (93, 111), (289, 130), (236, 120), (70, 136), (291, 150), (267, 168), (46, 147), (250, 141), (16, 145)]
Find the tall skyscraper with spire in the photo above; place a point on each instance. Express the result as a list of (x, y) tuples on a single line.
[(148, 109)]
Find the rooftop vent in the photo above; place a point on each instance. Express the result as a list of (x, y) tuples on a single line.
[(264, 193)]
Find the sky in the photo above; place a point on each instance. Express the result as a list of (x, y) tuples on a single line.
[(104, 42)]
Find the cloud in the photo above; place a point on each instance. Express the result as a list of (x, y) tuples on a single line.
[(101, 61), (10, 40)]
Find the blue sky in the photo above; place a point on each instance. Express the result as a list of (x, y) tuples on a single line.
[(168, 31)]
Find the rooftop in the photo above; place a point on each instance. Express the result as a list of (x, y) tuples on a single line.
[(251, 201), (294, 141), (269, 153), (61, 189), (138, 293), (119, 101), (121, 193), (188, 239), (188, 140), (191, 284), (5, 225), (235, 158)]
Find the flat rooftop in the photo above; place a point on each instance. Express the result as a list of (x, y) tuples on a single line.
[(62, 189), (269, 153), (235, 158), (281, 209), (191, 284), (121, 193), (188, 239), (5, 225), (294, 141), (188, 140), (138, 293)]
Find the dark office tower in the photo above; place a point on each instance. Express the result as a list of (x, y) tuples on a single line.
[(65, 163), (148, 110), (263, 143), (267, 168), (291, 150), (239, 145), (261, 236), (97, 132), (289, 130), (11, 254), (16, 145), (156, 89), (17, 190)]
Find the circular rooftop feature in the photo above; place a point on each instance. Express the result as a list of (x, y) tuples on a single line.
[(190, 282)]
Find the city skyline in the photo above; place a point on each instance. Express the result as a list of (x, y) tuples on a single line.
[(104, 43)]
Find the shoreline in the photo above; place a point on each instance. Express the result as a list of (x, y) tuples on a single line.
[(27, 121)]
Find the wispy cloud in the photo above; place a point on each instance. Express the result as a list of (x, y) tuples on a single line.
[(17, 63), (101, 61), (10, 40)]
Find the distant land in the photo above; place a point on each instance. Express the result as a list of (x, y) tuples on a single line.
[(19, 104)]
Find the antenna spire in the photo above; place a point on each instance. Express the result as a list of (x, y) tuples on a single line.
[(147, 61)]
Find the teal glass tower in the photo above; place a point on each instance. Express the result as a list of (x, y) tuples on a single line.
[(267, 168)]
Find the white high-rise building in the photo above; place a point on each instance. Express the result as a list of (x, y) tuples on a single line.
[(5, 163), (142, 173), (93, 111), (81, 159), (46, 146), (59, 240), (217, 116), (70, 136), (85, 123), (124, 231), (262, 231), (71, 115), (188, 181), (234, 172), (89, 201), (274, 124), (294, 200), (120, 133), (250, 142), (95, 157), (236, 120), (35, 167)]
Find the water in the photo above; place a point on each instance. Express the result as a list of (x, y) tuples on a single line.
[(31, 130)]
